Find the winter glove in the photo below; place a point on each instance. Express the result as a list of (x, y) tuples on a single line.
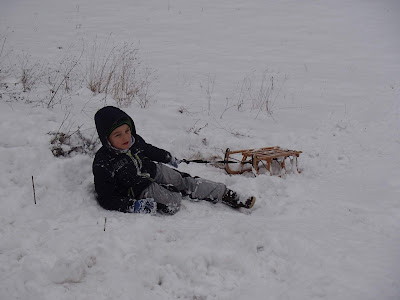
[(144, 206), (174, 162)]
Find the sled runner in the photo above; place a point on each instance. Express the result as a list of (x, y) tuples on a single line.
[(254, 159)]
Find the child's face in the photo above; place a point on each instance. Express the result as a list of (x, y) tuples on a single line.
[(120, 137)]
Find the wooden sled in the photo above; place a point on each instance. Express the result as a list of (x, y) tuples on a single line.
[(253, 159)]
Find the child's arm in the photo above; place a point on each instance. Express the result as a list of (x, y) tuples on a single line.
[(152, 152), (107, 194)]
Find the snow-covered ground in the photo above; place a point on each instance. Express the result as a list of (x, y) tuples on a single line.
[(330, 232)]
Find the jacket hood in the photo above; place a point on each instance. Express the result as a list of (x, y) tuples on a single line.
[(106, 118)]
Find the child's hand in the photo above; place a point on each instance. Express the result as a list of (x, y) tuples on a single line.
[(145, 206), (174, 162)]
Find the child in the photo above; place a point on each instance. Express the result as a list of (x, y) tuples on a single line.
[(130, 175)]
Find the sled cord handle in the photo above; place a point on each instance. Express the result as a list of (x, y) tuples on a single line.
[(200, 161)]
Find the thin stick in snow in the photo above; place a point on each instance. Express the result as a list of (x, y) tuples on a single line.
[(34, 193), (105, 222)]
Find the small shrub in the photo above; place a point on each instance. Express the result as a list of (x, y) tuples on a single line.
[(69, 144), (265, 97), (117, 71), (31, 73), (131, 82), (208, 89), (60, 79), (257, 94), (100, 68)]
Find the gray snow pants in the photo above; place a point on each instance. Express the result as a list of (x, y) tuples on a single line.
[(196, 188)]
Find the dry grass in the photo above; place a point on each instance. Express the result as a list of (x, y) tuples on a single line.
[(118, 71)]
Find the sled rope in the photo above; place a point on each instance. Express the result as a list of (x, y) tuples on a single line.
[(201, 161)]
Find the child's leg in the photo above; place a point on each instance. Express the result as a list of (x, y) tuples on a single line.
[(207, 190), (167, 201), (197, 188)]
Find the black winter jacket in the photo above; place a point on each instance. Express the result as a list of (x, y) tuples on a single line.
[(119, 177)]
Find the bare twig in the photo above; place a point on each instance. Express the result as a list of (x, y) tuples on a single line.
[(66, 76), (105, 222), (227, 107), (209, 90), (2, 47), (34, 192)]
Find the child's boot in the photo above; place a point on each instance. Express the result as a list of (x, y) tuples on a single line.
[(232, 199)]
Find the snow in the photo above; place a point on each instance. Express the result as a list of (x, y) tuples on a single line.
[(329, 232)]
